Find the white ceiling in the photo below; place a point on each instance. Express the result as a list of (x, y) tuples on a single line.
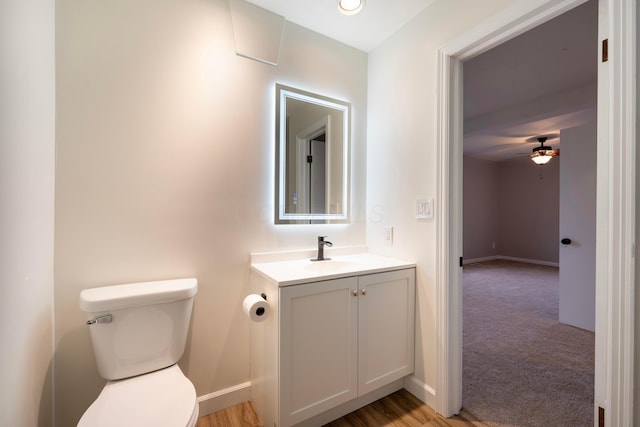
[(535, 84), (378, 19)]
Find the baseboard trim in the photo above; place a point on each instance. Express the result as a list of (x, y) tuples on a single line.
[(481, 259), (531, 261), (510, 258), (420, 390), (221, 399)]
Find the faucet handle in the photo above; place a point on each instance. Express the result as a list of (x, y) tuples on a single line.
[(322, 242)]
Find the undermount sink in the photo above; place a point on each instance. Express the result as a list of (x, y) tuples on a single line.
[(292, 272), (329, 266)]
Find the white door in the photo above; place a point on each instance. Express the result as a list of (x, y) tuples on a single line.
[(578, 226)]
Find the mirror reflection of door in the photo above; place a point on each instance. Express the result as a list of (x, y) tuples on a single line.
[(316, 166), (310, 190)]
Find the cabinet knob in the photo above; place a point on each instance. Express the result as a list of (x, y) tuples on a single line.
[(355, 293), (363, 291)]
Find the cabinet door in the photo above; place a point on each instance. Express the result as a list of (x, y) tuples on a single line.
[(318, 348), (386, 323)]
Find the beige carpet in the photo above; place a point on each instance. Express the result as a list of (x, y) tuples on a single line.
[(521, 366)]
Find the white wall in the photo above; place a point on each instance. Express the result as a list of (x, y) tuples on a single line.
[(27, 147), (166, 169), (401, 151), (637, 266)]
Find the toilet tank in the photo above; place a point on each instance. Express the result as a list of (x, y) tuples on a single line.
[(138, 327)]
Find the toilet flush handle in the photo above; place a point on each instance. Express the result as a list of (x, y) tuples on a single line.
[(101, 319)]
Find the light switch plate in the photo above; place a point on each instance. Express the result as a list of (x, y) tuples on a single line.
[(424, 208), (388, 235)]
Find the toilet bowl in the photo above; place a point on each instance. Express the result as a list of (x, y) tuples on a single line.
[(138, 332), (162, 398)]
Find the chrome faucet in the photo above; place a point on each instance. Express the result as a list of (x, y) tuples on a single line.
[(321, 244)]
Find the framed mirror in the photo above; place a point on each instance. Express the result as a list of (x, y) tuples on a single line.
[(312, 158)]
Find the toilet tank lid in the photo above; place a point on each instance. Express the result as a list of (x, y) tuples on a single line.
[(117, 297)]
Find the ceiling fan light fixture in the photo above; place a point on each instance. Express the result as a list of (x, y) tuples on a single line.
[(541, 155), (350, 7), (540, 159)]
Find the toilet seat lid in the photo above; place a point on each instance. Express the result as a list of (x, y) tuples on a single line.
[(162, 398)]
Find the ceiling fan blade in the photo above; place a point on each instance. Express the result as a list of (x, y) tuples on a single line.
[(555, 152), (518, 156)]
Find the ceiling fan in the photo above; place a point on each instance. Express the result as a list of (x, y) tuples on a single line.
[(542, 154)]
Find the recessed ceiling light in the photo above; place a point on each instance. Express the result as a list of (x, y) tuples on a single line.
[(350, 7)]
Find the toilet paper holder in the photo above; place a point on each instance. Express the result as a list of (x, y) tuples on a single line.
[(256, 307), (260, 311)]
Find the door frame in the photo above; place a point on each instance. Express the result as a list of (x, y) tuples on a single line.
[(303, 139), (616, 184)]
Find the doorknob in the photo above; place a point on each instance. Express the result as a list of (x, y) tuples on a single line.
[(565, 241)]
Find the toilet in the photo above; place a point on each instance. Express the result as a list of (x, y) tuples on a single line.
[(139, 331)]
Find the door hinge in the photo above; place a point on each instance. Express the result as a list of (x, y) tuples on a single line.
[(309, 159), (461, 259), (600, 416), (605, 50)]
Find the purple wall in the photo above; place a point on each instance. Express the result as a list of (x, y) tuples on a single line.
[(514, 204), (480, 208)]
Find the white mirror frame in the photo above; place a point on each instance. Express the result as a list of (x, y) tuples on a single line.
[(282, 94)]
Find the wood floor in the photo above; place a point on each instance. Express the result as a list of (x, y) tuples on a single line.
[(400, 409), (241, 415)]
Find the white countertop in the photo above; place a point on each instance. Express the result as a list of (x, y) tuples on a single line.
[(294, 272)]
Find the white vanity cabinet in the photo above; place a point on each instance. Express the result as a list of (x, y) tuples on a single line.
[(331, 344), (343, 338)]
